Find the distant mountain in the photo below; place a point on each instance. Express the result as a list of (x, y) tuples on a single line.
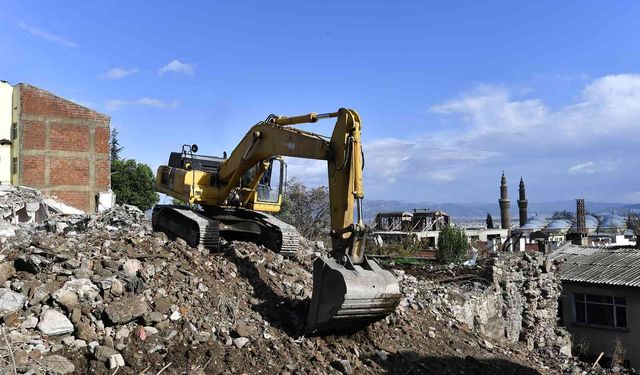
[(479, 210)]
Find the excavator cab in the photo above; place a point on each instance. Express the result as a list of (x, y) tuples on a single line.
[(267, 195)]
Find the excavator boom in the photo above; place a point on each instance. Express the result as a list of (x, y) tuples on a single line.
[(349, 290)]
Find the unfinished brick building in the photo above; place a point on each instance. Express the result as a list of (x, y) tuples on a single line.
[(58, 146)]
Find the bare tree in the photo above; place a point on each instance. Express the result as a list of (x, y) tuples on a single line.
[(307, 209)]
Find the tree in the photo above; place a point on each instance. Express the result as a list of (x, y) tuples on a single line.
[(307, 209), (452, 245), (489, 221), (133, 184), (114, 146)]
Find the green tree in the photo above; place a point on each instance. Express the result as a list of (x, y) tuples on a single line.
[(452, 245), (114, 146), (133, 184), (307, 209)]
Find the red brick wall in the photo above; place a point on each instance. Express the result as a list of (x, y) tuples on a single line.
[(103, 175), (63, 147), (33, 171), (69, 137), (102, 140), (34, 133), (39, 102), (77, 199), (69, 171)]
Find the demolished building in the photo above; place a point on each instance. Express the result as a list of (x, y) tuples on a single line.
[(53, 144)]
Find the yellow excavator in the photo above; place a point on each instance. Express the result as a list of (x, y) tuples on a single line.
[(234, 195)]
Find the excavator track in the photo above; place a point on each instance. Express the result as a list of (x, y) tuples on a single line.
[(192, 226), (290, 238), (204, 228), (255, 226)]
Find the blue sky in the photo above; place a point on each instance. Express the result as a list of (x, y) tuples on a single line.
[(450, 93)]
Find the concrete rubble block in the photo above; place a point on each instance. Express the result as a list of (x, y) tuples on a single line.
[(122, 333), (117, 287), (58, 364), (240, 342), (131, 267), (103, 353), (30, 322), (7, 270), (31, 263), (245, 330), (85, 332), (116, 360), (343, 366), (125, 310), (11, 301), (84, 289), (53, 323)]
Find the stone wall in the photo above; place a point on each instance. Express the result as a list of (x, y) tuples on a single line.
[(519, 305)]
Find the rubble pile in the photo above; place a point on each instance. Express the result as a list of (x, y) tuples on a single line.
[(103, 293), (513, 305)]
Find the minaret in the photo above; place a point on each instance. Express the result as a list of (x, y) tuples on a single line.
[(505, 204), (581, 218), (522, 204)]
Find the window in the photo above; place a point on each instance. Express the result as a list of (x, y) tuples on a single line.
[(270, 186), (602, 311)]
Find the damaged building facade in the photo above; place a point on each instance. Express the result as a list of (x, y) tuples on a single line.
[(54, 145), (423, 225), (600, 299)]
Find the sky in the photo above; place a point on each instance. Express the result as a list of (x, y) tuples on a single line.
[(451, 93)]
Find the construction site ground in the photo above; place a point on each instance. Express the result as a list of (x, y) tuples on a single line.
[(131, 301)]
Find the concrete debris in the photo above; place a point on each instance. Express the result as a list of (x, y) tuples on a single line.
[(103, 353), (58, 364), (116, 360), (11, 301), (343, 366), (103, 292), (240, 342), (53, 323), (126, 309)]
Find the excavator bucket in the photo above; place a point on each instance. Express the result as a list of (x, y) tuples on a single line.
[(346, 298)]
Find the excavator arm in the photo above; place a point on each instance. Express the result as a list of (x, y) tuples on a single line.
[(343, 153)]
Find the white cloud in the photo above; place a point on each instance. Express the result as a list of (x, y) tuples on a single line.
[(178, 67), (490, 109), (117, 73), (46, 35), (610, 102), (115, 104), (312, 172), (592, 167), (490, 129)]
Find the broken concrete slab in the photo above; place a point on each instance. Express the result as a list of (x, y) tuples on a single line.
[(126, 309)]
